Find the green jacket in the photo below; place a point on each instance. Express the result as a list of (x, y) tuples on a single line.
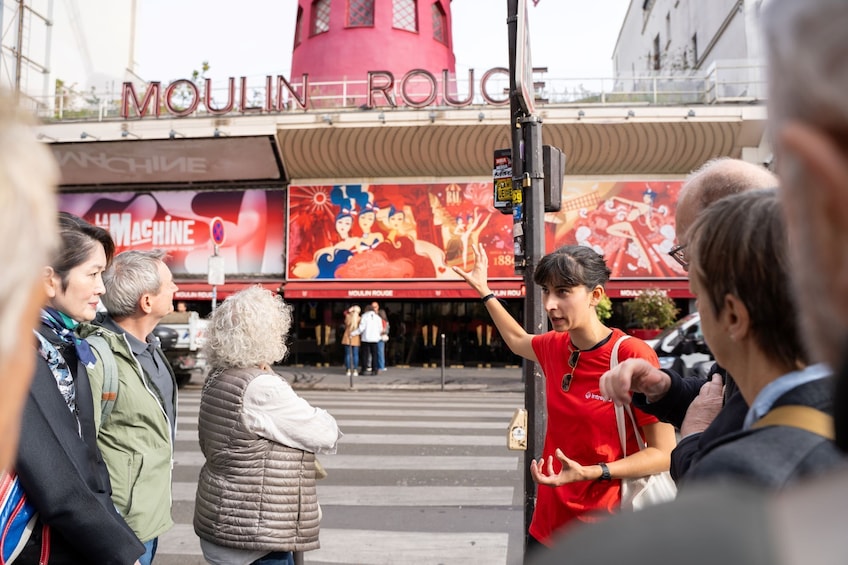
[(135, 440)]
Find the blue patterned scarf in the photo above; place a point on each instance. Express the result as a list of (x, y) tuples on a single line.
[(64, 328)]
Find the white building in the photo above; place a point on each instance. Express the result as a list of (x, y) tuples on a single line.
[(693, 38)]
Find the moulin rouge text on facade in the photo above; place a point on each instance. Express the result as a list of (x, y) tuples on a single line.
[(417, 88)]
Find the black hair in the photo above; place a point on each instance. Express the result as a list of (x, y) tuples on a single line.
[(77, 238), (571, 266)]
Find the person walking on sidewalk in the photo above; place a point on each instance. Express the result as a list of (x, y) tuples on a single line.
[(370, 331), (351, 342), (384, 337)]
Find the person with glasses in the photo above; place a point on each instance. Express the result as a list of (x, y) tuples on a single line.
[(702, 414), (582, 460)]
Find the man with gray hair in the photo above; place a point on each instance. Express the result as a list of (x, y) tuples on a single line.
[(135, 416), (702, 409)]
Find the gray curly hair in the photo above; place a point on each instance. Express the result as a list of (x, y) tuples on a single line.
[(248, 329)]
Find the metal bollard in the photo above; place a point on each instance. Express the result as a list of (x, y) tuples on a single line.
[(298, 558), (443, 361)]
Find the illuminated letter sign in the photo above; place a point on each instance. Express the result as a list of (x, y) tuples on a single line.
[(128, 93), (429, 79), (385, 88)]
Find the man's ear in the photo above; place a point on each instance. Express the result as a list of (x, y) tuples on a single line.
[(145, 303), (826, 165)]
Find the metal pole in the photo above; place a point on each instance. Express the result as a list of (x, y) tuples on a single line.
[(443, 361), (527, 172)]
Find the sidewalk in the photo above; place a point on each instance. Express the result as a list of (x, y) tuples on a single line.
[(488, 379)]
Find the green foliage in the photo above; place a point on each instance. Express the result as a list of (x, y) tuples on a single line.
[(651, 310), (604, 308)]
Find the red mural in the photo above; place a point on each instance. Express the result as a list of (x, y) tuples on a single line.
[(392, 231), (178, 222), (630, 223)]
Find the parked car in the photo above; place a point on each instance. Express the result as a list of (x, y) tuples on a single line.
[(682, 348), (185, 333)]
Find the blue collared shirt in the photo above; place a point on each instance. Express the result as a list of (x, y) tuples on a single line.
[(780, 386)]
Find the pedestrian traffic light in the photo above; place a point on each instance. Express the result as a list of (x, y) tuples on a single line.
[(553, 167)]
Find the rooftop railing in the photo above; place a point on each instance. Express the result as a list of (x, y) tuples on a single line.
[(724, 82)]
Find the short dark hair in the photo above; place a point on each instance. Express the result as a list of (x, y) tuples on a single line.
[(77, 239), (739, 246), (571, 266)]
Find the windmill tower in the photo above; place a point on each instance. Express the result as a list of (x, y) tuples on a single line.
[(342, 40)]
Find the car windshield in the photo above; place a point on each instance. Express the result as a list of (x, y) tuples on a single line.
[(672, 336)]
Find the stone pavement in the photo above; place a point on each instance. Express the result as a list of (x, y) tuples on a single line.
[(489, 379)]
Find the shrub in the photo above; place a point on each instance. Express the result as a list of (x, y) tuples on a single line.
[(651, 310), (604, 308)]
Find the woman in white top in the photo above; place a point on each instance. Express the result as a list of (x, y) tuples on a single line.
[(256, 498)]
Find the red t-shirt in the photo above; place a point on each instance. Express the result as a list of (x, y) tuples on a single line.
[(582, 424)]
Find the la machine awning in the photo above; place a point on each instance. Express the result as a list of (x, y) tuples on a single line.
[(169, 161)]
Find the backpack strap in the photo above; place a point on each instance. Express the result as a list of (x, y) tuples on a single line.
[(110, 375), (798, 416)]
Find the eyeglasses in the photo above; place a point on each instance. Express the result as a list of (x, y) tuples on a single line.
[(569, 376), (678, 253)]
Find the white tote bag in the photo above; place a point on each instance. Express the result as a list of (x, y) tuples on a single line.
[(640, 492)]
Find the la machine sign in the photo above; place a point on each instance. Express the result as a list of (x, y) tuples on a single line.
[(417, 88)]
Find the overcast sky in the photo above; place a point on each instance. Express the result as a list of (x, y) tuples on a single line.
[(573, 38)]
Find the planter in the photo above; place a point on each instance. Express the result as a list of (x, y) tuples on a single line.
[(643, 334)]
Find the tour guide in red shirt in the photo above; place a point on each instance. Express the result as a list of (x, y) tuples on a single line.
[(582, 456)]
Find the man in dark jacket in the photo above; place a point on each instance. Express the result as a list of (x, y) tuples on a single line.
[(702, 414)]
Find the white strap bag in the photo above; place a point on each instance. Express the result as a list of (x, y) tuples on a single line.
[(643, 491)]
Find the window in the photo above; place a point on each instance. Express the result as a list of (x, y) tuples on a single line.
[(694, 47), (405, 15), (440, 24), (298, 27), (320, 16), (360, 13), (657, 66)]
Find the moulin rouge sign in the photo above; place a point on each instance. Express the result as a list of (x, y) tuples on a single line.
[(418, 88)]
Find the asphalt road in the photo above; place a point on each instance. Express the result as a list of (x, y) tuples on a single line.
[(421, 476)]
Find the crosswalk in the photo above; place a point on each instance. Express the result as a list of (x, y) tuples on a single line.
[(419, 477)]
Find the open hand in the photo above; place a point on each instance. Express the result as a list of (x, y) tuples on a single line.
[(479, 274), (572, 471)]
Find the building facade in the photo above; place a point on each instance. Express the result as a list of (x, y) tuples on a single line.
[(335, 201)]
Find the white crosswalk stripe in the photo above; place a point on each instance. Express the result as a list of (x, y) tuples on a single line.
[(418, 478)]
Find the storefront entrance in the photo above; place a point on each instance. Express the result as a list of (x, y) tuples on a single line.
[(416, 328)]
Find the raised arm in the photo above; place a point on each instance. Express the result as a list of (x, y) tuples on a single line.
[(515, 337)]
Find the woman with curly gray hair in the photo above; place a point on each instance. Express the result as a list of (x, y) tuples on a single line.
[(256, 499)]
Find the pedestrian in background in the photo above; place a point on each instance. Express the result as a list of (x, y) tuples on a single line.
[(59, 464), (582, 434), (370, 331), (351, 342), (256, 499), (28, 176), (384, 337), (135, 419)]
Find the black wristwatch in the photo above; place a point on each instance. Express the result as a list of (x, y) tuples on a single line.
[(605, 474)]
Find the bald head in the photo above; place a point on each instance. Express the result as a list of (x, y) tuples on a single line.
[(713, 181)]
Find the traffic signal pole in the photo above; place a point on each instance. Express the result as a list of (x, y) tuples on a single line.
[(528, 236)]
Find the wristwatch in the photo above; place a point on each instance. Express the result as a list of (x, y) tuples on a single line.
[(605, 474)]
